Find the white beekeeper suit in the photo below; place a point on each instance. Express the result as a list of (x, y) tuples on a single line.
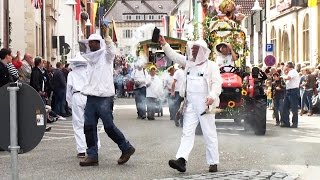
[(76, 100), (203, 80)]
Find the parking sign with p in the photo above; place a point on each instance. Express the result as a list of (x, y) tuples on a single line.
[(269, 47)]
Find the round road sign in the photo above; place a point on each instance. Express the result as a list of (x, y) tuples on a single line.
[(270, 60), (31, 118)]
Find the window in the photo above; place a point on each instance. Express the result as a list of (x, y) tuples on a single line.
[(274, 40), (305, 36), (126, 17), (272, 3), (127, 34)]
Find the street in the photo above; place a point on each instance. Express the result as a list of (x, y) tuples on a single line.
[(283, 153)]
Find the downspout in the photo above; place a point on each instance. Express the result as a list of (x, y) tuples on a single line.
[(298, 60), (44, 30)]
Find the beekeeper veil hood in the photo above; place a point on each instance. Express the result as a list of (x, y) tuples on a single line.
[(78, 61), (198, 51), (94, 56)]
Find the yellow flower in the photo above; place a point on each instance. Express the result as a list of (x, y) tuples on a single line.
[(231, 104), (244, 92)]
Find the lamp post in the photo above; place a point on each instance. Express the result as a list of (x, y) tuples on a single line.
[(256, 8)]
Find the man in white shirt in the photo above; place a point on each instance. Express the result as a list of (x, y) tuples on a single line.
[(139, 78), (225, 55), (99, 90), (291, 99), (154, 91), (178, 79)]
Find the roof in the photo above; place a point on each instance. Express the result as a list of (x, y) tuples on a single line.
[(247, 5), (177, 6), (120, 7)]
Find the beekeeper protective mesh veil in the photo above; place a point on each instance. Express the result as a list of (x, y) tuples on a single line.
[(94, 56), (78, 61), (203, 52)]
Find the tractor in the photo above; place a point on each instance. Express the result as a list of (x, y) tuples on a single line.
[(243, 96)]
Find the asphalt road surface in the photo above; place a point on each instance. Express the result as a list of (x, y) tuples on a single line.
[(283, 153)]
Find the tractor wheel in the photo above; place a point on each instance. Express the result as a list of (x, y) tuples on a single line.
[(237, 120), (260, 116)]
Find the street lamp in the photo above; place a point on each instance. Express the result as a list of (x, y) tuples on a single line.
[(85, 16), (256, 6)]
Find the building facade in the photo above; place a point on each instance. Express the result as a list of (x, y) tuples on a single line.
[(134, 21), (294, 31)]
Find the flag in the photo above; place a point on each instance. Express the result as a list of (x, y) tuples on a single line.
[(180, 21), (78, 10), (165, 24), (172, 22), (93, 12), (312, 3), (114, 35), (191, 7), (37, 3)]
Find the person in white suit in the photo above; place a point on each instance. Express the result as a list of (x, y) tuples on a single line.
[(77, 101), (202, 88)]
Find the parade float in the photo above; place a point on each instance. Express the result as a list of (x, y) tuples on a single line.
[(242, 96)]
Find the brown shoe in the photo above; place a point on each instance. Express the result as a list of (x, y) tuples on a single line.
[(213, 168), (125, 156), (81, 155), (89, 162)]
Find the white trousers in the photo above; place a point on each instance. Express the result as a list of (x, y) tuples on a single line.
[(190, 121), (78, 105)]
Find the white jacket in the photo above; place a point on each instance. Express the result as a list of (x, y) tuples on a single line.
[(100, 71), (213, 78), (76, 77)]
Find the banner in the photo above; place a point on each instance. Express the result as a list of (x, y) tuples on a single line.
[(37, 3), (78, 10), (312, 3)]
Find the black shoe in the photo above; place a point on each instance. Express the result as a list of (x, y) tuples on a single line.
[(176, 122), (143, 117), (89, 162), (179, 164), (294, 126), (283, 125), (48, 129), (125, 156), (150, 118), (81, 155), (213, 168)]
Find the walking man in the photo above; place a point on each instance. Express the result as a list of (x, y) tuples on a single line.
[(100, 92), (291, 98), (202, 88)]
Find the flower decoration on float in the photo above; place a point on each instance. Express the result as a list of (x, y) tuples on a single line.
[(244, 92), (231, 104)]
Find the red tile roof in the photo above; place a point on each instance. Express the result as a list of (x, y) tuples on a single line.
[(247, 5)]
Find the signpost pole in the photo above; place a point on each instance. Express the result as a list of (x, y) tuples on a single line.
[(14, 147)]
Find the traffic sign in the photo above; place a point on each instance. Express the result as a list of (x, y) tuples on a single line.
[(270, 60), (31, 118), (269, 47)]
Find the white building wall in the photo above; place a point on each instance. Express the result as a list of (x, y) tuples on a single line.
[(18, 34)]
